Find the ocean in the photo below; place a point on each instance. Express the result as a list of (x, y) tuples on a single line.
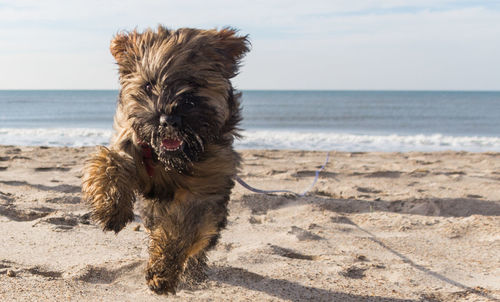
[(306, 120)]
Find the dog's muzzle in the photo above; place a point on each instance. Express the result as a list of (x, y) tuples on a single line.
[(171, 141)]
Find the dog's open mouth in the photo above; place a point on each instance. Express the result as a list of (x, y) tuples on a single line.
[(171, 144)]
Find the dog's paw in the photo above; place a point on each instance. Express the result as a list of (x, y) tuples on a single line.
[(117, 222), (161, 285), (107, 185), (112, 212), (163, 278)]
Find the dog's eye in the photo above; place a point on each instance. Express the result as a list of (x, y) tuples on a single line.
[(189, 104), (148, 87)]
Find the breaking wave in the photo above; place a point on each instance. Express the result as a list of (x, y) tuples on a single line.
[(270, 139), (356, 142)]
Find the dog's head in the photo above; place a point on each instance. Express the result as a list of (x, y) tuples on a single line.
[(175, 89)]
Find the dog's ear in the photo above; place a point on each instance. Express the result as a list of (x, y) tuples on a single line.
[(232, 47), (123, 48), (120, 45)]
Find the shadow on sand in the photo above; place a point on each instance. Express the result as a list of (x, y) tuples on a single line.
[(284, 289)]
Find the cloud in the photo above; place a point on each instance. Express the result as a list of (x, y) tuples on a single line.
[(451, 49), (411, 44)]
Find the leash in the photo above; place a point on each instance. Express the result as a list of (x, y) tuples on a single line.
[(259, 191), (147, 159)]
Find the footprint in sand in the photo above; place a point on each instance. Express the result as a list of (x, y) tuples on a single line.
[(65, 188), (65, 200), (21, 157), (14, 182), (13, 151), (105, 275), (342, 220), (7, 197), (384, 174), (39, 271), (61, 223), (11, 212), (260, 204), (255, 220), (325, 193), (304, 235), (60, 188), (353, 272), (450, 173), (6, 268), (49, 169), (310, 173), (288, 253), (85, 218), (275, 172), (368, 190), (4, 264), (259, 155)]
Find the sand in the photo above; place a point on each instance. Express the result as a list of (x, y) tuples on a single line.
[(376, 227)]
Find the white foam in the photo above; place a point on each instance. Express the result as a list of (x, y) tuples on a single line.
[(270, 139), (70, 137), (353, 142)]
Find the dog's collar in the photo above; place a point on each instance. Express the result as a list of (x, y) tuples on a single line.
[(147, 158)]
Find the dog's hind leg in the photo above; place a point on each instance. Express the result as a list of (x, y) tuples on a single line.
[(108, 184)]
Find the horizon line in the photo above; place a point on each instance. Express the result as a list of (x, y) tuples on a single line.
[(283, 90)]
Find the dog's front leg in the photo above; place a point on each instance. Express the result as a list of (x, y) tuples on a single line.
[(108, 184), (180, 236)]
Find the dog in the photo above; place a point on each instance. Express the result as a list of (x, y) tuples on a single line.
[(176, 119)]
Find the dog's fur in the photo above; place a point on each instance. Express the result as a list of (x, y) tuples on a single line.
[(175, 87)]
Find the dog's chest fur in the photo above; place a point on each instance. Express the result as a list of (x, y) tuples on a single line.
[(212, 175)]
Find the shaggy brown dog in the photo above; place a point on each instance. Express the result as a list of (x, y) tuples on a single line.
[(175, 123)]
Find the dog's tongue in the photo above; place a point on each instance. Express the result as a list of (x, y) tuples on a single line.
[(171, 144)]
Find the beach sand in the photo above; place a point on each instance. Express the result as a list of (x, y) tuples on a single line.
[(376, 227)]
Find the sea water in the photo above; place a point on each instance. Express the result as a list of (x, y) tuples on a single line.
[(306, 120)]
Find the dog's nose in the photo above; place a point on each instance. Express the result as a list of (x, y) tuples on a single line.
[(170, 120)]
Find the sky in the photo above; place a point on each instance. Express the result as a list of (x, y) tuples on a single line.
[(314, 45)]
